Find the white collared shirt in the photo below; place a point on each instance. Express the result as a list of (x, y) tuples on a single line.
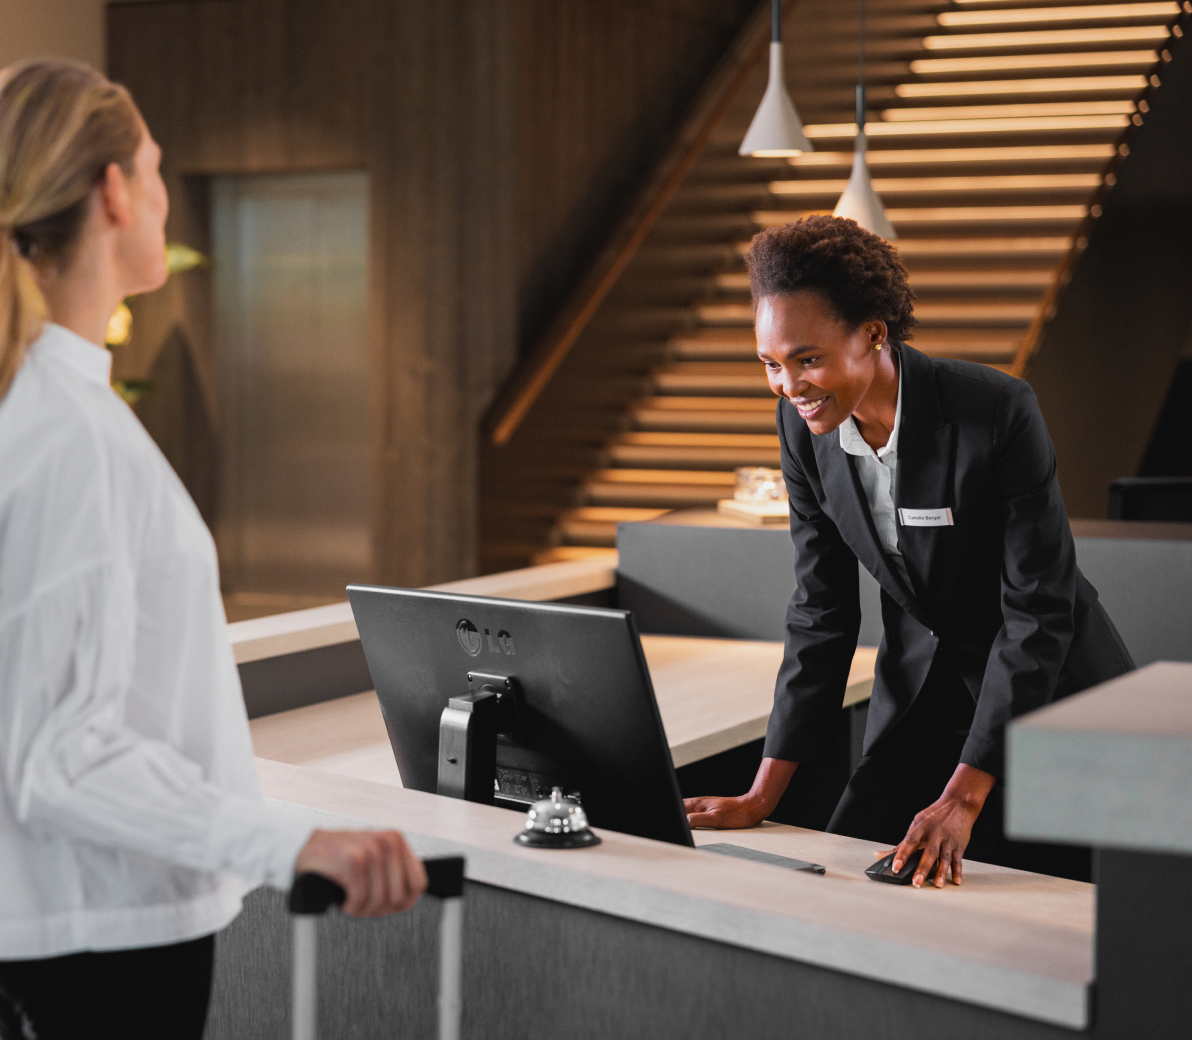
[(877, 471), (131, 813)]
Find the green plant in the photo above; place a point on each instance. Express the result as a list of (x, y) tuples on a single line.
[(179, 258)]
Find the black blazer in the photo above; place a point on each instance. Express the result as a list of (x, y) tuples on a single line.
[(998, 593)]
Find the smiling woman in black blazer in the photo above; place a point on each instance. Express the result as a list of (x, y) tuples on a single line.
[(939, 477)]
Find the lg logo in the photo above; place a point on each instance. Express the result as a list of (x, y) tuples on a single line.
[(470, 639)]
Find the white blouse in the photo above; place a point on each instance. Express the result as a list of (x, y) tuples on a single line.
[(878, 471), (131, 813)]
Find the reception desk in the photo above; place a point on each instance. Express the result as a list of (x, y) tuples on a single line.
[(642, 937), (639, 938), (635, 938)]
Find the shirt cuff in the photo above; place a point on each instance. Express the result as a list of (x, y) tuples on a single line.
[(255, 841)]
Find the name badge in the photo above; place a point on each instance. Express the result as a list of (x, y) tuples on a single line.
[(925, 517)]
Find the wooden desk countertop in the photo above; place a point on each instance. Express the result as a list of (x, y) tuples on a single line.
[(315, 627), (1005, 939), (713, 694)]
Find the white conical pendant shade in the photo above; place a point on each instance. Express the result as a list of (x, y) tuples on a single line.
[(860, 201), (776, 129)]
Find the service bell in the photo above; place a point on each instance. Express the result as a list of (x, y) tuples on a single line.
[(557, 823)]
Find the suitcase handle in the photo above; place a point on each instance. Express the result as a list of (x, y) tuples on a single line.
[(314, 894), (444, 876)]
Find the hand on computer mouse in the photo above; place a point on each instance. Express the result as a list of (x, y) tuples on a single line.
[(943, 829), (883, 869)]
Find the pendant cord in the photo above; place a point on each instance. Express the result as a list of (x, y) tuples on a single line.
[(775, 21), (861, 67)]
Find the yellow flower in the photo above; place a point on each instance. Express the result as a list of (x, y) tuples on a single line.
[(119, 327), (183, 258)]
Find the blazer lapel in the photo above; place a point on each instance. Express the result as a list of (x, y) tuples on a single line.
[(926, 445), (845, 499)]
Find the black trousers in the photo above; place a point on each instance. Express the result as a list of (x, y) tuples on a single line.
[(908, 769), (151, 993)]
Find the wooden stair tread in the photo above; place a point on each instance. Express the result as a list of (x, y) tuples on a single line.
[(1082, 184), (709, 478), (999, 279), (609, 515), (1094, 156), (672, 496), (565, 553), (732, 422), (973, 312), (1025, 246), (700, 458), (960, 341), (954, 215), (707, 404), (711, 440)]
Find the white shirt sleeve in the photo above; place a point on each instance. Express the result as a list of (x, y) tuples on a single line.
[(73, 767)]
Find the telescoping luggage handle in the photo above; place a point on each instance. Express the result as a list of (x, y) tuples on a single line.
[(312, 894)]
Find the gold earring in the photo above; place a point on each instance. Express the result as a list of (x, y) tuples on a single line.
[(877, 346)]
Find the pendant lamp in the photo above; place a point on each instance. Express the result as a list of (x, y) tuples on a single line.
[(860, 201), (776, 130)]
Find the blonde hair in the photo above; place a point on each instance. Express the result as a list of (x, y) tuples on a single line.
[(61, 125)]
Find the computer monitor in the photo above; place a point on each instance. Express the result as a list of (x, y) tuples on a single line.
[(500, 700)]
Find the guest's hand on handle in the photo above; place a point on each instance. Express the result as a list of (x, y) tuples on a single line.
[(376, 869), (943, 829), (747, 810)]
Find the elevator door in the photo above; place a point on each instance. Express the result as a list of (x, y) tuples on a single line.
[(291, 300)]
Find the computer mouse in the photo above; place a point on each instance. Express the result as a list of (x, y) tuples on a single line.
[(883, 869)]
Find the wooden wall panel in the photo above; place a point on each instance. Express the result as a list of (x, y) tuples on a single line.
[(420, 94), (502, 139), (248, 85), (442, 165)]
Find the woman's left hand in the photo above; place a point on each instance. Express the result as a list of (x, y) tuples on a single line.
[(942, 830)]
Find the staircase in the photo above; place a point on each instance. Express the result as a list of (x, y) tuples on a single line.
[(994, 128)]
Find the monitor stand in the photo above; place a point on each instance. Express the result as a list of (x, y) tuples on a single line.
[(468, 730)]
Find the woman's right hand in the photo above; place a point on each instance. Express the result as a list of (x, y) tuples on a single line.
[(747, 810), (726, 814), (376, 869)]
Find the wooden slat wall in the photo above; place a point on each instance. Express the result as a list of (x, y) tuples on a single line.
[(502, 139), (443, 287), (601, 85)]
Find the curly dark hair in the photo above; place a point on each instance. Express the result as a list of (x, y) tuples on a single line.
[(857, 273)]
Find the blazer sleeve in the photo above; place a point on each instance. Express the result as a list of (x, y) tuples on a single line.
[(822, 623), (1038, 582)]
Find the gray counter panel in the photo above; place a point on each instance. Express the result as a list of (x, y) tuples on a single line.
[(538, 970), (735, 582), (726, 582), (1146, 586)]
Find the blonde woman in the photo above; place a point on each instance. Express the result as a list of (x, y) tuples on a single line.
[(131, 822)]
